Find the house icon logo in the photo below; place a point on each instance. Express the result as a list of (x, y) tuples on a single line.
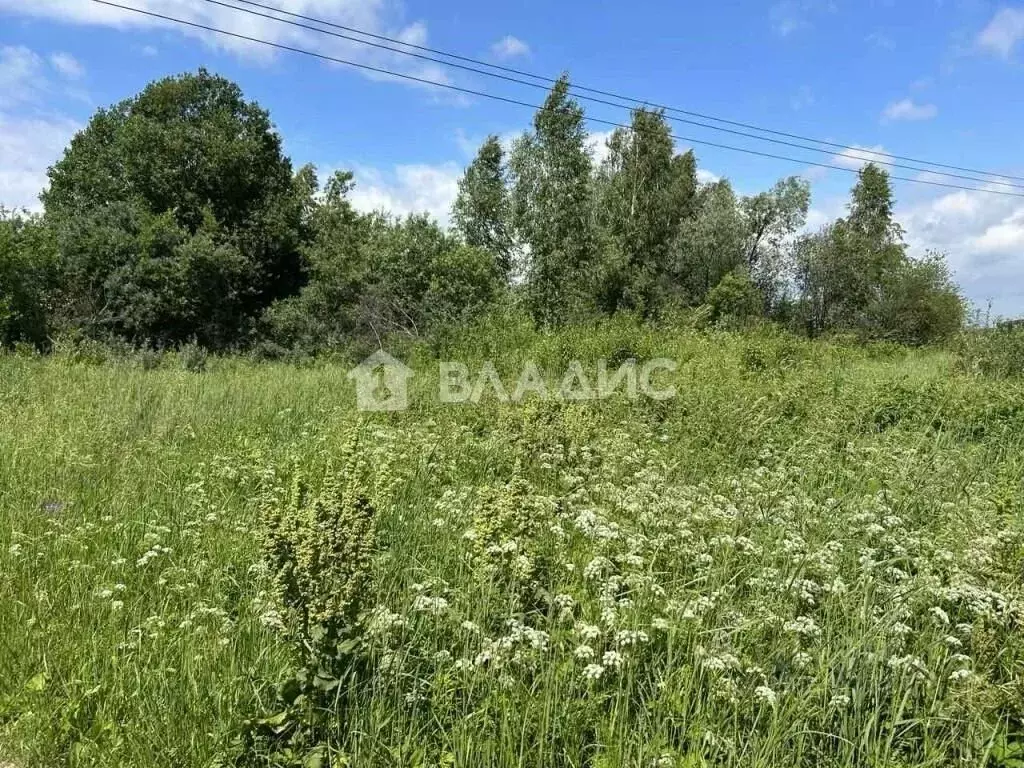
[(381, 383)]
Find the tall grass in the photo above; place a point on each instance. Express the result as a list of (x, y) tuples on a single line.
[(812, 555)]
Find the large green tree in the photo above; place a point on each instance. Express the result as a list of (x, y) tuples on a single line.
[(177, 215), (553, 211), (641, 195), (482, 209), (710, 244), (771, 219), (373, 274), (856, 274)]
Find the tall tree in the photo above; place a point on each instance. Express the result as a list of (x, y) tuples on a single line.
[(26, 278), (684, 186), (771, 219), (857, 275), (773, 216), (638, 209), (710, 244), (177, 214), (482, 209), (553, 210)]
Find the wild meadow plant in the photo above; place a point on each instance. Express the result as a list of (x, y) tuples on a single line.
[(811, 556)]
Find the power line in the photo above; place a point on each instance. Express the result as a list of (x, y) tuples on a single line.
[(604, 102), (506, 100), (640, 102)]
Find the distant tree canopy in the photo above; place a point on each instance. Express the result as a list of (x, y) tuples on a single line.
[(26, 279), (175, 216), (855, 274)]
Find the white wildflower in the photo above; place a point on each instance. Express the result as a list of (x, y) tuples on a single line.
[(584, 652), (803, 625), (766, 694), (593, 671), (612, 659), (628, 637), (432, 605)]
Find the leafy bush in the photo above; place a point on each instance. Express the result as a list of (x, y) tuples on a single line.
[(920, 304), (176, 216), (735, 299), (995, 351)]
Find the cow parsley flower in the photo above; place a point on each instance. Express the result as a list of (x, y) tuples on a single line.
[(593, 671), (766, 694), (584, 652)]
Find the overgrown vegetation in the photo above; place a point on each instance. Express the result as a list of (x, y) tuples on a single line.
[(175, 218), (811, 556)]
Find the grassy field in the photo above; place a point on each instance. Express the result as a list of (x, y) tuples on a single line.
[(812, 555)]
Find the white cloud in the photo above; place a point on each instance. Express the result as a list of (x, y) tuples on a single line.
[(377, 16), (908, 109), (30, 140), (510, 47), (28, 146), (824, 212), (789, 16), (857, 156), (1004, 32), (417, 188), (880, 40), (983, 236), (787, 19), (21, 76), (67, 65)]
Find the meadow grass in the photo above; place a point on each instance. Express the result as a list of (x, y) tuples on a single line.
[(812, 555)]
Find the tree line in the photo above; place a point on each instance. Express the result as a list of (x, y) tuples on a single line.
[(175, 217)]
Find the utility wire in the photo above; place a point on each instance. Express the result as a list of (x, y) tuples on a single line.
[(604, 102), (506, 100), (639, 102)]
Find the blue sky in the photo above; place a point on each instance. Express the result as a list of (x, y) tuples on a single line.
[(933, 79)]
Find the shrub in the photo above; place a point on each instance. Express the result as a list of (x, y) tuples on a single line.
[(995, 351), (735, 300)]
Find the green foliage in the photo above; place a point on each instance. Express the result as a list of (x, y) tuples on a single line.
[(855, 275), (710, 244), (373, 275), (771, 218), (26, 279), (482, 209), (319, 546), (640, 207), (920, 303), (996, 352), (176, 216), (549, 584), (735, 299), (553, 211)]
